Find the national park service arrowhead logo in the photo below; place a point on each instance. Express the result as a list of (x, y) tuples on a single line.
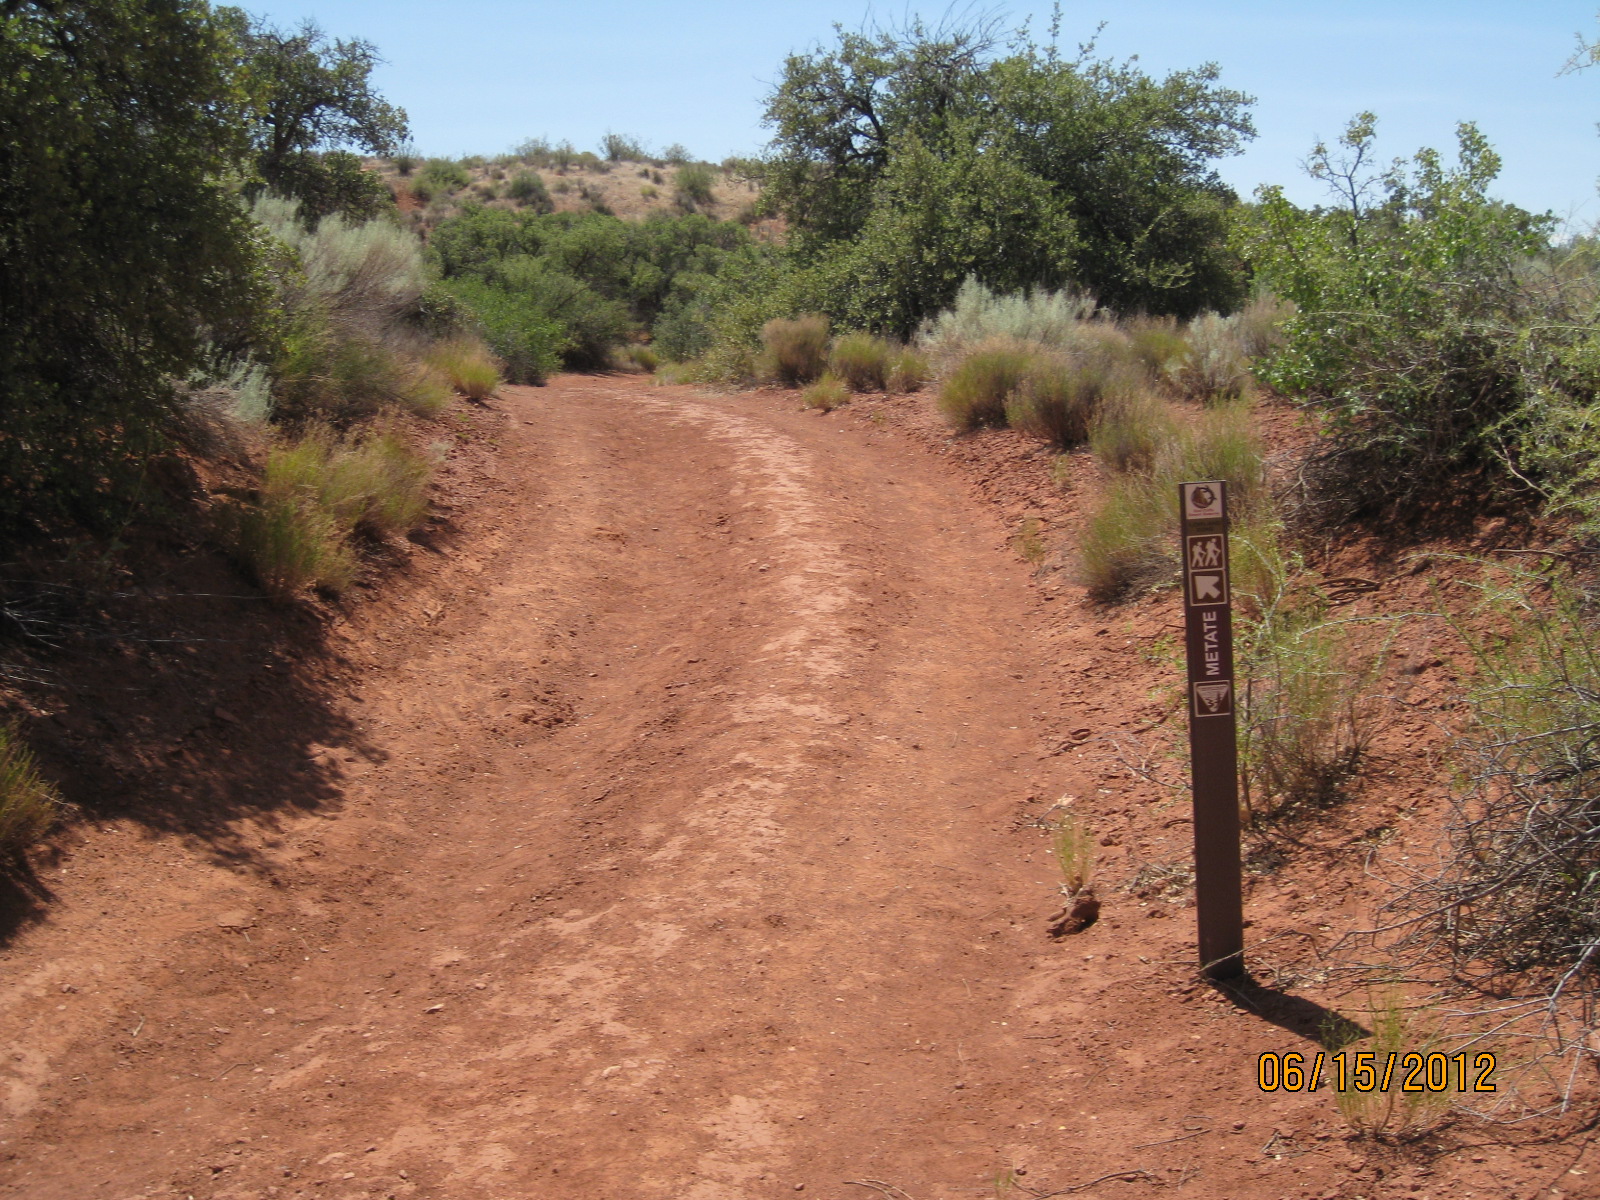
[(1213, 699)]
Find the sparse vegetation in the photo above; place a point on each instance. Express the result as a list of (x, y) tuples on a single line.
[(796, 350), (28, 803), (826, 394), (862, 361)]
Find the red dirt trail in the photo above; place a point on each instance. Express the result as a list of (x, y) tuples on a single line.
[(688, 850)]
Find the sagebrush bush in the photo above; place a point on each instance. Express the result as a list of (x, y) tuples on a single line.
[(978, 316), (976, 392), (826, 394), (796, 350), (28, 803), (1215, 366), (862, 361)]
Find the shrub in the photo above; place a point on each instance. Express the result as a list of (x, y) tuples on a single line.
[(1123, 544), (1059, 397), (908, 371), (1258, 326), (648, 191), (1130, 539), (290, 544), (1516, 898), (1303, 706), (1215, 367), (693, 183), (827, 394), (796, 350), (468, 365), (1415, 330), (318, 489), (525, 338), (1130, 430), (619, 146), (405, 160), (427, 392), (978, 316), (1157, 344), (676, 155), (861, 361), (976, 392), (443, 175), (378, 485), (27, 802), (527, 189)]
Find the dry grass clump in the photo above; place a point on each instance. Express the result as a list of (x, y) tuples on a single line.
[(976, 392), (1130, 539), (827, 394), (468, 365), (796, 351), (862, 361), (27, 802), (316, 492), (908, 371)]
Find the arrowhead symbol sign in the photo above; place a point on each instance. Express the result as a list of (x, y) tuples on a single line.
[(1207, 587)]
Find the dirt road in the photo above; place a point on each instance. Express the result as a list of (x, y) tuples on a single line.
[(685, 851)]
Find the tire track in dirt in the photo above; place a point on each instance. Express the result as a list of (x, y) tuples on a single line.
[(676, 874)]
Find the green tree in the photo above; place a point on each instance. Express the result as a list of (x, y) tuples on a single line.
[(905, 161), (1420, 332), (123, 255), (311, 100)]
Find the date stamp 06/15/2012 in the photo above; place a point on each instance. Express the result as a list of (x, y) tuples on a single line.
[(1367, 1071)]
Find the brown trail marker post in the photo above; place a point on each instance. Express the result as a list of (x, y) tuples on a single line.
[(1213, 735)]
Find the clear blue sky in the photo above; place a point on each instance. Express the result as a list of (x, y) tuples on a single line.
[(478, 76)]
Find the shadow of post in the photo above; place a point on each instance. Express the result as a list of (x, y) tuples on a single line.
[(1304, 1018)]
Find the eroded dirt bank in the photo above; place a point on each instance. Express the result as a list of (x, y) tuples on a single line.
[(686, 847)]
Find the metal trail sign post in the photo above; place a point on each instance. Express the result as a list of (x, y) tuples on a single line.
[(1213, 734)]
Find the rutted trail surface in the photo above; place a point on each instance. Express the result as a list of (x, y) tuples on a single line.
[(684, 855)]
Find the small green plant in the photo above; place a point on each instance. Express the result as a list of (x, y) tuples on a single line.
[(862, 361), (28, 803), (826, 394), (1028, 541), (1072, 845), (649, 191), (1392, 1113), (977, 391), (796, 350)]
